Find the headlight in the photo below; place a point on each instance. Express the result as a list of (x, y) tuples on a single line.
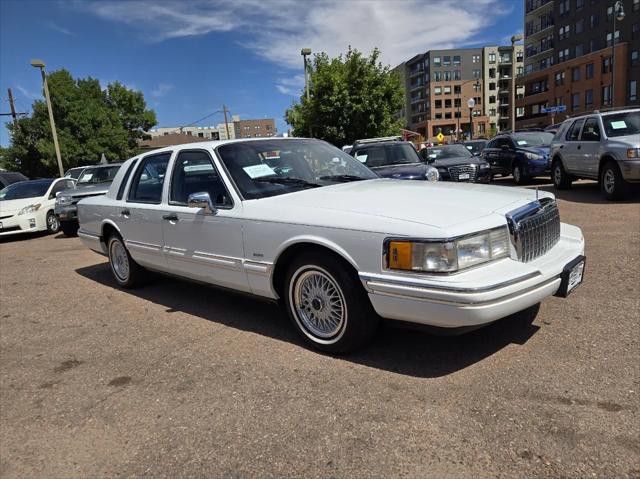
[(448, 256), (533, 156), (64, 200), (633, 153), (432, 174), (29, 209)]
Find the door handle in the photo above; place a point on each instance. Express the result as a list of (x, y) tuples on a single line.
[(579, 146), (561, 147), (170, 217), (125, 213)]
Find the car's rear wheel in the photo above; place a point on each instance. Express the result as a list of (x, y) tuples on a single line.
[(125, 270), (69, 228), (561, 179), (519, 176), (612, 183), (327, 304), (53, 224)]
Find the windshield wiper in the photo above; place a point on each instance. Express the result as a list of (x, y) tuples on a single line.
[(343, 178), (287, 180)]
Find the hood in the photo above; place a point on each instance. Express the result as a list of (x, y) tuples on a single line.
[(407, 171), (538, 150), (460, 160), (93, 190), (11, 207), (398, 207)]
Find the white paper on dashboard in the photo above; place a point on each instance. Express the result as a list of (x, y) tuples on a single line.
[(256, 171), (618, 125)]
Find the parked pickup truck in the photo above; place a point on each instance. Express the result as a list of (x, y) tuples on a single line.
[(603, 146)]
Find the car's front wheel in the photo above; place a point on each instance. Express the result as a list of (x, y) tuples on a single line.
[(53, 224), (561, 179), (327, 304), (125, 270), (519, 176), (612, 183)]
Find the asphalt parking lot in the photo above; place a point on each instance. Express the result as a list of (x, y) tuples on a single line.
[(181, 380)]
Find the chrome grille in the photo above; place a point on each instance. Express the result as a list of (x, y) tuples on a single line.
[(456, 171), (534, 228)]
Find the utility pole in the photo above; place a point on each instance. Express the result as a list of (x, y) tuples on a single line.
[(12, 105), (226, 124)]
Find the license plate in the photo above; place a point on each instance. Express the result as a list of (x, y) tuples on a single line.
[(572, 276), (463, 176)]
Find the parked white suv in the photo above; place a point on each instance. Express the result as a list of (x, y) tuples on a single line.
[(602, 146)]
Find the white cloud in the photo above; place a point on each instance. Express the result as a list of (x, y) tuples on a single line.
[(276, 30), (291, 86), (59, 29), (28, 93), (161, 90)]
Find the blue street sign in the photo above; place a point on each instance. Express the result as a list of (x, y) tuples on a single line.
[(553, 109), (561, 108)]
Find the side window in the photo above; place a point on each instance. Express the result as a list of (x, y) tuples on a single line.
[(147, 183), (591, 130), (70, 184), (500, 142), (574, 131), (194, 172), (491, 144), (59, 186), (125, 178)]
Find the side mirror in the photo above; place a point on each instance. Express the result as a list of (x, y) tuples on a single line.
[(201, 199), (504, 147)]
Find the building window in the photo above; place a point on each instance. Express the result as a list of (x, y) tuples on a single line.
[(564, 7), (436, 61), (635, 30), (476, 73), (456, 60), (580, 26), (563, 32), (438, 116), (519, 71), (492, 72), (447, 115), (609, 36), (634, 58), (579, 4), (594, 21), (559, 78), (457, 114), (575, 74), (588, 71), (457, 102), (437, 76), (559, 100), (563, 55), (478, 100), (475, 59), (492, 112), (609, 14), (437, 90), (633, 90), (519, 56), (575, 101), (636, 5), (457, 89), (457, 75), (588, 99), (606, 95), (579, 50), (492, 86), (438, 104), (446, 61), (606, 65), (492, 57), (447, 90), (447, 76), (492, 99), (447, 103)]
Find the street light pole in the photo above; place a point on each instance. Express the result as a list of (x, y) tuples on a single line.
[(514, 39), (477, 88), (306, 52), (618, 13), (40, 64), (471, 103)]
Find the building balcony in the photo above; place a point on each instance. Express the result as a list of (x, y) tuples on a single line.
[(536, 6), (418, 71), (534, 52), (537, 30), (416, 86)]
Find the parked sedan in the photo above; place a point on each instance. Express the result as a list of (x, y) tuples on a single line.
[(523, 154), (457, 163), (9, 177), (27, 206), (338, 246), (94, 181)]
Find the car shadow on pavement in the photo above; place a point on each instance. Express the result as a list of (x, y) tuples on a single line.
[(399, 350)]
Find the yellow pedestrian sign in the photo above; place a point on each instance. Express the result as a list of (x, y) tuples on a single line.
[(440, 137)]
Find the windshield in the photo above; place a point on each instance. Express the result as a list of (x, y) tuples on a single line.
[(451, 151), (533, 138), (25, 189), (375, 156), (475, 146), (73, 173), (95, 175), (273, 167), (622, 124)]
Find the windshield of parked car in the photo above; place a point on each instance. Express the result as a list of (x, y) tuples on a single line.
[(622, 124), (449, 151), (375, 156), (25, 189), (475, 146), (273, 167), (73, 173), (532, 138), (95, 175)]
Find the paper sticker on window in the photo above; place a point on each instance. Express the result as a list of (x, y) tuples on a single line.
[(521, 142), (256, 171), (361, 158), (618, 125)]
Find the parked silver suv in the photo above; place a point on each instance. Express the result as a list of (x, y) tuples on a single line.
[(602, 146)]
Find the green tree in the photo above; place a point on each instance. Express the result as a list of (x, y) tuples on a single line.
[(90, 121), (351, 97)]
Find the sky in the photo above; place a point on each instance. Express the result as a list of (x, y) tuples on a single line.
[(189, 57)]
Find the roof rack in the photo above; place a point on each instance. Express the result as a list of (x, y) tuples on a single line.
[(377, 140)]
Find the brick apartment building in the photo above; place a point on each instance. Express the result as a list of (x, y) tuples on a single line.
[(237, 128), (439, 83), (568, 58)]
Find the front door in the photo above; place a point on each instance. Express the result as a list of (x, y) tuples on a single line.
[(140, 217), (588, 156), (199, 245), (570, 151)]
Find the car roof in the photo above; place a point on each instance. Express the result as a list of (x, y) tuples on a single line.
[(99, 166)]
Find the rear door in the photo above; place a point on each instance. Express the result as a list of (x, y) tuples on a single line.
[(506, 154), (198, 245), (569, 151), (140, 217), (588, 151)]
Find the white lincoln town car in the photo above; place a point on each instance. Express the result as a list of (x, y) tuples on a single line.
[(299, 221)]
